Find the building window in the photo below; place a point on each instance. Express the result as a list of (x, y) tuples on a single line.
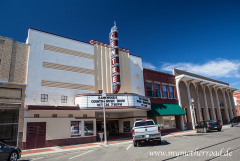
[(36, 115), (70, 115), (84, 115), (126, 126), (44, 97), (54, 115), (149, 90), (76, 128), (64, 99), (221, 103), (165, 91), (171, 91), (9, 118), (88, 128), (157, 88)]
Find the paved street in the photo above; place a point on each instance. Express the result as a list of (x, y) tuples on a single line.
[(195, 146)]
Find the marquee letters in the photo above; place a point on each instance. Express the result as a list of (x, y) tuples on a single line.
[(115, 59)]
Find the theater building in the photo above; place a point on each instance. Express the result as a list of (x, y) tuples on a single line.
[(161, 89), (64, 84), (13, 76), (203, 98)]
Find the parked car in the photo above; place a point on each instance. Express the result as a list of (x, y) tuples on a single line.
[(10, 153), (235, 121), (209, 125), (146, 130)]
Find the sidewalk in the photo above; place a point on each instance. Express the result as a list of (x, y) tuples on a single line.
[(61, 149)]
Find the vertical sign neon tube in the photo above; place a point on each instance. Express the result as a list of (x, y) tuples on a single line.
[(116, 84)]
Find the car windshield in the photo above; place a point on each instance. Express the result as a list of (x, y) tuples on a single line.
[(211, 121), (144, 123)]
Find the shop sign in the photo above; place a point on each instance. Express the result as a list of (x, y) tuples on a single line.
[(116, 84), (121, 101)]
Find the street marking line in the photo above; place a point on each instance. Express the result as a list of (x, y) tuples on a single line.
[(38, 158), (81, 154), (129, 147)]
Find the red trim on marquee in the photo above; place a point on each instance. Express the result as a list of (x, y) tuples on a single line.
[(43, 107)]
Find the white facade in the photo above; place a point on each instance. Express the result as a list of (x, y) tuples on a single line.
[(136, 71), (59, 67), (206, 95), (37, 73)]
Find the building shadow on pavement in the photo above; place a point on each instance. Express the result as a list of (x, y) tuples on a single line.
[(153, 143)]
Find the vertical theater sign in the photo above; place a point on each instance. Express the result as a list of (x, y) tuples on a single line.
[(116, 84)]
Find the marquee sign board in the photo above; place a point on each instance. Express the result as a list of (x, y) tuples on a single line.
[(116, 84), (117, 101)]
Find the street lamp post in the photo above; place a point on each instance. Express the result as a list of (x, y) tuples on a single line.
[(194, 116), (104, 116)]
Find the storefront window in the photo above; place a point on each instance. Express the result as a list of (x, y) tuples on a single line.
[(171, 91), (8, 133), (149, 90), (76, 128), (157, 88), (165, 91), (88, 128), (165, 122), (9, 116), (126, 126)]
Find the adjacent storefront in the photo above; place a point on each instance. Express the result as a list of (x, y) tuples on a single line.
[(165, 115), (161, 89), (9, 123)]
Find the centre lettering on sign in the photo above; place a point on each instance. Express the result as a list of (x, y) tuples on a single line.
[(116, 84)]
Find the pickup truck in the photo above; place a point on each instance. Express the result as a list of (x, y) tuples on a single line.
[(146, 130)]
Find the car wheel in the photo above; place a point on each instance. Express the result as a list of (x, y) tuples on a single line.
[(135, 143), (231, 125), (204, 130), (13, 156), (219, 129)]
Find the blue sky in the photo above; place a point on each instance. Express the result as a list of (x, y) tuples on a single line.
[(198, 36)]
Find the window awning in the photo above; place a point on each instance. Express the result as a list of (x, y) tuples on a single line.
[(165, 110)]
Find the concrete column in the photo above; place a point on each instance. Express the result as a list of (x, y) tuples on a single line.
[(218, 107), (213, 109), (226, 98), (190, 106), (205, 103), (233, 105), (229, 101), (225, 105), (180, 103), (198, 104)]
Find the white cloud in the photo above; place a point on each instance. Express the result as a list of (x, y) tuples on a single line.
[(233, 84), (149, 66), (217, 68)]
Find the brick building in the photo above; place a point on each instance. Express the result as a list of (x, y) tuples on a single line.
[(165, 111), (13, 79)]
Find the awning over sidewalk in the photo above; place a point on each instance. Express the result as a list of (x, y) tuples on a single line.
[(165, 110)]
